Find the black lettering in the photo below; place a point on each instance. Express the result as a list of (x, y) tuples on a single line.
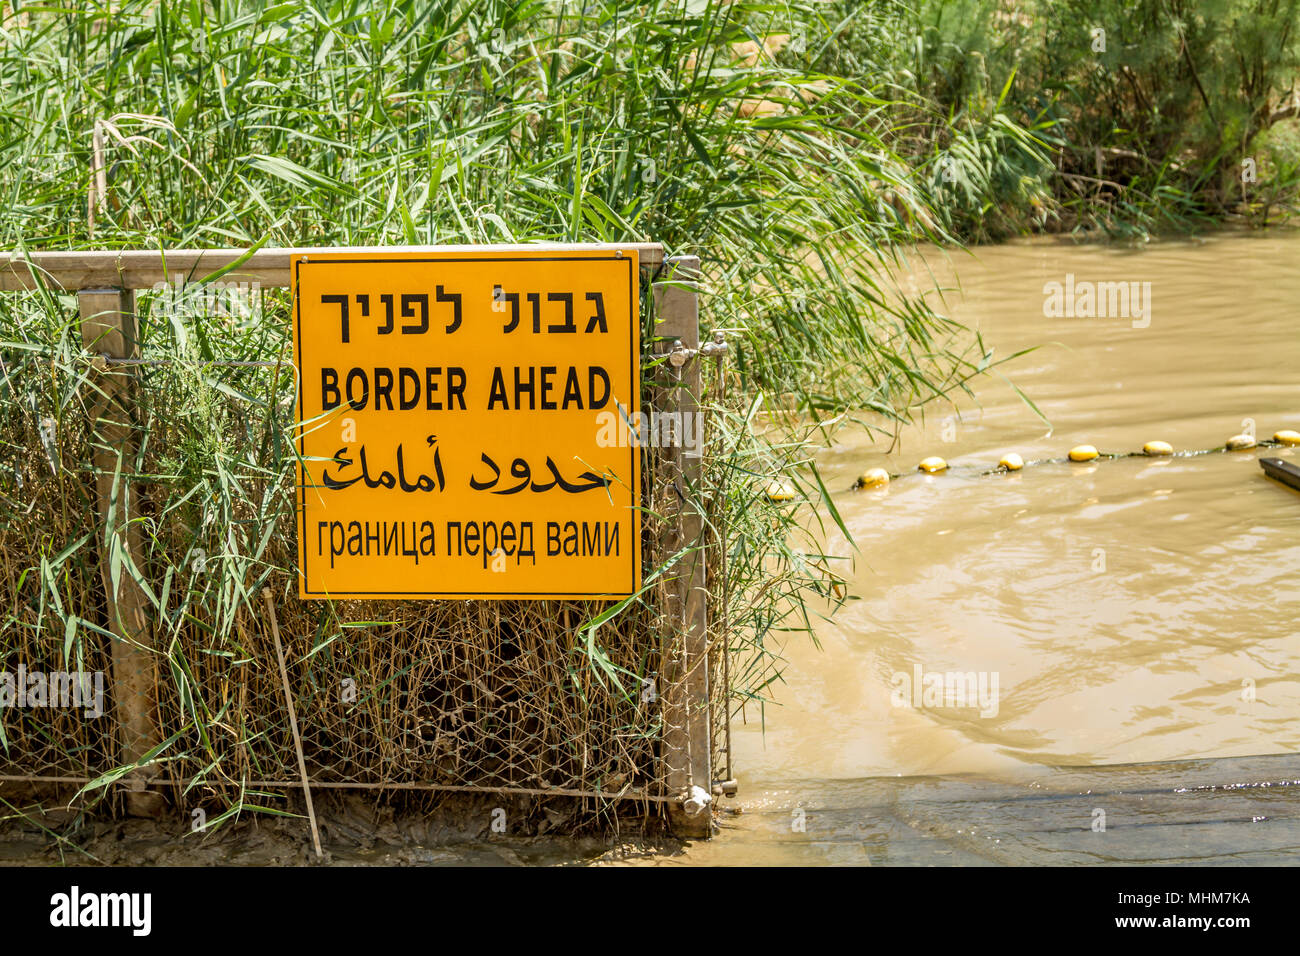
[(431, 388), (490, 543), (409, 301), (567, 299), (455, 387), (526, 550), (547, 372), (336, 548), (572, 390), (498, 391), (535, 299), (599, 318), (454, 299), (405, 375), (596, 404), (513, 299), (329, 389), (383, 388), (357, 403), (520, 388), (342, 302)]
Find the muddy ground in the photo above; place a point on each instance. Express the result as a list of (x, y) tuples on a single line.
[(355, 829)]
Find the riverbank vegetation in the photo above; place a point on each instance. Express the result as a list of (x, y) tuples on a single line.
[(797, 147), (1103, 119)]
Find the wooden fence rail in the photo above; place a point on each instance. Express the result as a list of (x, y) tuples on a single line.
[(143, 269)]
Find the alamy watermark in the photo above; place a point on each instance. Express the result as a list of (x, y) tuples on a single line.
[(653, 429), (241, 301), (1098, 300), (930, 690), (55, 689), (73, 909)]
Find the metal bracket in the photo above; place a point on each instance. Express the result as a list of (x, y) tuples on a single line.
[(696, 801), (716, 347), (679, 354)]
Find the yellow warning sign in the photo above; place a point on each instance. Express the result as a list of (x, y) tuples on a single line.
[(457, 424)]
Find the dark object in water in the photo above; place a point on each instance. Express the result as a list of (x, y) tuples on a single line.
[(1282, 471)]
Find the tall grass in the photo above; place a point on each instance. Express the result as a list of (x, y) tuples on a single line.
[(235, 124)]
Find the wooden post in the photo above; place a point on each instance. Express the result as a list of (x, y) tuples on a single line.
[(687, 753), (108, 328)]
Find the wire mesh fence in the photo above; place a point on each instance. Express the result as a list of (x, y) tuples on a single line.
[(537, 697)]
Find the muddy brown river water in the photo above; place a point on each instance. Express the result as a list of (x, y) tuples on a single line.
[(1134, 610)]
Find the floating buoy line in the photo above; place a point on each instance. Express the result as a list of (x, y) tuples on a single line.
[(876, 478)]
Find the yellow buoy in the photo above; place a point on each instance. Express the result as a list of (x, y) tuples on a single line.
[(1157, 448), (1011, 462), (873, 478), (780, 491), (1240, 442), (1287, 437), (1083, 453), (932, 466)]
